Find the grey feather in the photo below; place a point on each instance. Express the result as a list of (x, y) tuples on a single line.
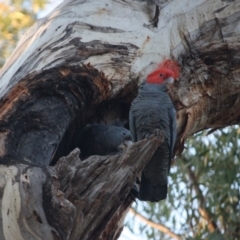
[(100, 139), (153, 109)]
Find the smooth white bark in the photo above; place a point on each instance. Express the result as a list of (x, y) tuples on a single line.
[(48, 43)]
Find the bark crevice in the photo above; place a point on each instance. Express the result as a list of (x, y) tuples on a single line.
[(60, 202)]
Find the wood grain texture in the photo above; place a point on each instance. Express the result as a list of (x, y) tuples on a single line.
[(49, 67), (74, 199), (83, 63)]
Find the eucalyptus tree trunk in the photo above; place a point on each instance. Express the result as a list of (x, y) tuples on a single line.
[(83, 63)]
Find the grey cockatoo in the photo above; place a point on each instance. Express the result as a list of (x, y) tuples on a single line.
[(100, 139), (153, 109)]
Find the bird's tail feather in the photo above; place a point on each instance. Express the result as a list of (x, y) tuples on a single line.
[(151, 193)]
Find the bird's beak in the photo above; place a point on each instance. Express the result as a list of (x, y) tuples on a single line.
[(169, 80), (127, 143), (124, 145)]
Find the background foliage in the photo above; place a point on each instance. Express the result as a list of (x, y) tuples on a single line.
[(203, 199), (15, 17)]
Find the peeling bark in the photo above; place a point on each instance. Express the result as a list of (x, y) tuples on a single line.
[(74, 199), (83, 63)]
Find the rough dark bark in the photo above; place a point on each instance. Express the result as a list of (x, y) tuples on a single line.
[(74, 199), (43, 110), (208, 94), (78, 66)]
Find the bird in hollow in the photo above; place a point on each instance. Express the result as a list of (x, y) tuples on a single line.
[(101, 139)]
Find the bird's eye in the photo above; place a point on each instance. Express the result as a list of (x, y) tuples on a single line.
[(160, 75)]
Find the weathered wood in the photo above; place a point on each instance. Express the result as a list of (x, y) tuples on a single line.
[(207, 94), (83, 63), (49, 68), (64, 202), (35, 124), (99, 201), (22, 200)]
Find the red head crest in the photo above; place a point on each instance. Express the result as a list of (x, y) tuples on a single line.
[(168, 69)]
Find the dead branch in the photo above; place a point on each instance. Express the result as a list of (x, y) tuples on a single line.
[(158, 226)]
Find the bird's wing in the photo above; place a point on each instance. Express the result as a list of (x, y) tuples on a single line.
[(173, 129), (132, 126)]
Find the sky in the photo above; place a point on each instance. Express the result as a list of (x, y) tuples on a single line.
[(50, 6), (126, 234)]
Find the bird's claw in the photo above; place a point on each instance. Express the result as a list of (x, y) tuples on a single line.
[(134, 192), (158, 132), (148, 136)]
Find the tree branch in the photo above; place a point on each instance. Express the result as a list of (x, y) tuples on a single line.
[(48, 89), (74, 199), (212, 225), (205, 45), (99, 188), (157, 226)]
